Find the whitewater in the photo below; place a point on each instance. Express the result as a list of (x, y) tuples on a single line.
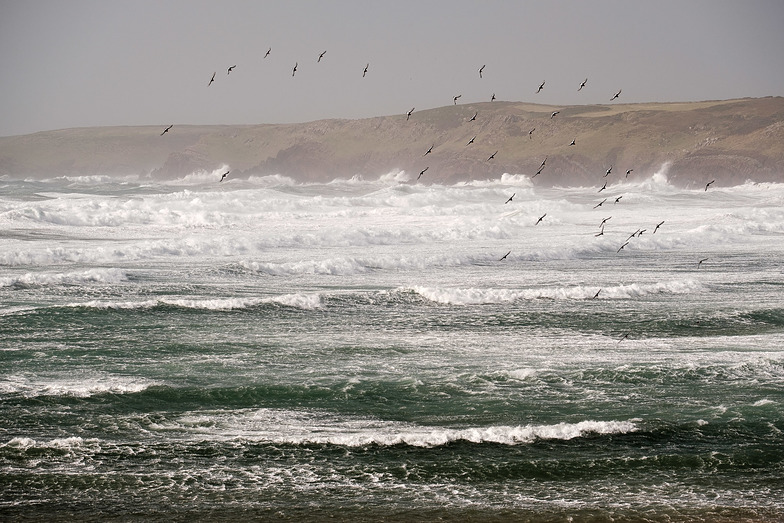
[(374, 348)]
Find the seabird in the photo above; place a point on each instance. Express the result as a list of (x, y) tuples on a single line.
[(608, 172), (422, 172), (230, 69), (268, 52), (616, 95), (505, 255), (582, 85), (597, 294), (604, 221), (540, 87), (621, 247), (540, 219), (321, 56), (709, 184), (408, 115), (657, 226), (531, 132), (167, 130), (603, 187), (480, 71), (492, 98), (628, 172), (365, 71), (492, 156), (573, 143), (635, 233), (618, 199), (510, 199), (624, 337), (224, 175), (600, 233), (641, 231), (600, 203), (553, 115), (538, 172), (700, 262), (473, 118), (471, 141), (429, 150), (543, 162), (455, 98), (295, 69), (211, 80)]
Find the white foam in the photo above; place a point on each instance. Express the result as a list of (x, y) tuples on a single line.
[(300, 301), (30, 279), (81, 387)]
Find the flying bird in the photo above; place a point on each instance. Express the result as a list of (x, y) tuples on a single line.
[(224, 175), (616, 95), (628, 172), (408, 115), (635, 233), (268, 52), (211, 80), (618, 199), (657, 226), (471, 141), (582, 85), (365, 71), (505, 255), (230, 69), (455, 98), (422, 172), (321, 56), (700, 262), (553, 115), (492, 98), (625, 336), (600, 203), (604, 221), (480, 71), (510, 198), (600, 233), (573, 143), (540, 219), (538, 172), (429, 150), (473, 118), (492, 156), (603, 187), (531, 132), (621, 247), (540, 87), (709, 184), (543, 162), (166, 130), (608, 172), (597, 294), (293, 72)]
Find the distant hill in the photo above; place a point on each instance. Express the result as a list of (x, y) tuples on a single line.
[(730, 141)]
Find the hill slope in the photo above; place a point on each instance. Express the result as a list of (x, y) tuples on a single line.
[(730, 141)]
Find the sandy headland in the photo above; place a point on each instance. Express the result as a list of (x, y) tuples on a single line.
[(730, 141)]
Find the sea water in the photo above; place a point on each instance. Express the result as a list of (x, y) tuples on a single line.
[(378, 349)]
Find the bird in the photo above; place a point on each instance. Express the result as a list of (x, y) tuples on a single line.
[(480, 71), (454, 99), (600, 233), (622, 246), (473, 118), (605, 221), (538, 172), (553, 115), (505, 255), (429, 150), (597, 294), (603, 187), (224, 175), (541, 86), (641, 231), (531, 132), (709, 184), (606, 174), (657, 226), (211, 80), (268, 52), (582, 85), (422, 172), (616, 95), (573, 143), (492, 98), (624, 337), (294, 71), (628, 172), (166, 130), (230, 69), (540, 219), (618, 199), (471, 141), (700, 262), (600, 203), (408, 115), (365, 71), (492, 156), (510, 198), (543, 162), (321, 56), (635, 233)]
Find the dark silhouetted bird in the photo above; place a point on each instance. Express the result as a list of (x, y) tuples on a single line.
[(224, 175), (492, 156), (454, 99), (366, 70), (166, 130), (505, 255), (582, 85), (429, 150), (657, 226), (408, 115), (230, 69), (268, 52), (471, 141), (553, 115), (510, 198), (616, 95), (709, 184), (211, 80), (600, 203), (541, 86), (321, 56), (294, 71), (473, 118), (540, 219), (422, 172), (701, 262), (480, 71)]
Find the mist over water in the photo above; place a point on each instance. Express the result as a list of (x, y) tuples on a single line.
[(381, 349)]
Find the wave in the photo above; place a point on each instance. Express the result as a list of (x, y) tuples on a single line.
[(84, 387), (299, 301), (473, 296), (38, 279)]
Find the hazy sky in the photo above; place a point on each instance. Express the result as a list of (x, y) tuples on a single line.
[(77, 63)]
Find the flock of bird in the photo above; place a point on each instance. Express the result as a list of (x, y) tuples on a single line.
[(541, 168)]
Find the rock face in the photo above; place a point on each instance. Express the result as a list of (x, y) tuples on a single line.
[(730, 141)]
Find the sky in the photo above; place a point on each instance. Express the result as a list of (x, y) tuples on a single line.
[(83, 63)]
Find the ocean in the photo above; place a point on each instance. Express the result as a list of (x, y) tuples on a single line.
[(376, 349)]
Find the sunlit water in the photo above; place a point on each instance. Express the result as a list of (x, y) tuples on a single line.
[(264, 349)]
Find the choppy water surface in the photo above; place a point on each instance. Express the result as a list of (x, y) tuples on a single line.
[(264, 349)]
